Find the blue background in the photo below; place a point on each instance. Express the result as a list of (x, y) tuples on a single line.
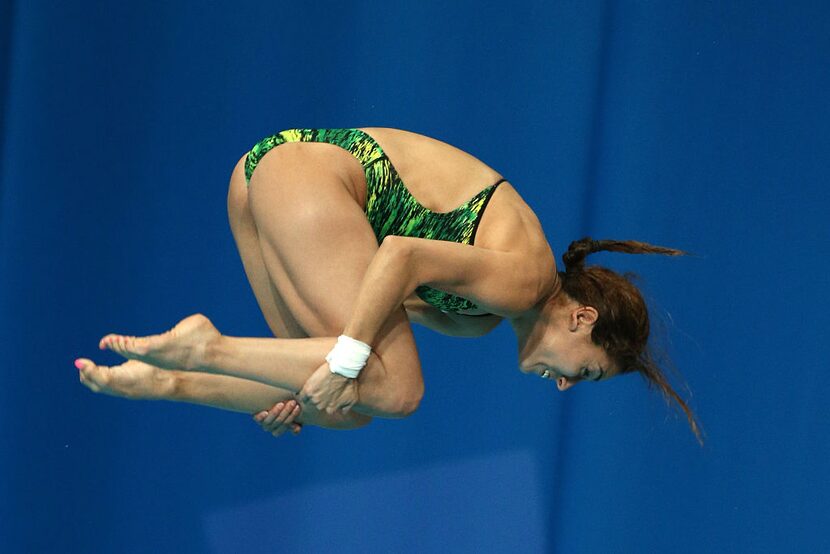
[(699, 125)]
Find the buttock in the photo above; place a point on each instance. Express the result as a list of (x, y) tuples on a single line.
[(316, 163)]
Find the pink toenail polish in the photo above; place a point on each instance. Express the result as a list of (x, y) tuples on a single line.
[(78, 364)]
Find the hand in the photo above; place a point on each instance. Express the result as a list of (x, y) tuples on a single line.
[(329, 392), (280, 418)]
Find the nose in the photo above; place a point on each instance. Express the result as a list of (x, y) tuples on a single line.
[(563, 384)]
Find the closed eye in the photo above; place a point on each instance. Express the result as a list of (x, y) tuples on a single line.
[(586, 375)]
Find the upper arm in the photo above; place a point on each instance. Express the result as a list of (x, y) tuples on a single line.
[(449, 324), (503, 283)]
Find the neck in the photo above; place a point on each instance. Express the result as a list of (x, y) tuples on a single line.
[(530, 325)]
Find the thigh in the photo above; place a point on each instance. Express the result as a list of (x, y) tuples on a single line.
[(317, 244), (252, 395), (246, 236)]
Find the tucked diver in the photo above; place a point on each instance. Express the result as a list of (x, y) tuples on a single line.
[(348, 236)]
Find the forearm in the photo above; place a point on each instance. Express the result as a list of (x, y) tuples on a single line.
[(385, 286)]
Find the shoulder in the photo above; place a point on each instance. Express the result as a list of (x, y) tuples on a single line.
[(509, 224)]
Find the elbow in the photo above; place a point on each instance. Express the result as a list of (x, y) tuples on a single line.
[(397, 252)]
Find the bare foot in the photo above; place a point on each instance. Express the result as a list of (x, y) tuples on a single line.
[(132, 379), (182, 347)]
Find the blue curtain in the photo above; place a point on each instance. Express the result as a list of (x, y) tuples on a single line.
[(700, 125)]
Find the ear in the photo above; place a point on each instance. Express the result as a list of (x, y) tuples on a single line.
[(583, 315)]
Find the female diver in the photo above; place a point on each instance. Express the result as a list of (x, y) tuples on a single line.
[(342, 256)]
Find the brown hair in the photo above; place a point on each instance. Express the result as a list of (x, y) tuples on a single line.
[(622, 329)]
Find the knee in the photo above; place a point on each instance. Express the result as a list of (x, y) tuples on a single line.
[(395, 392), (407, 400)]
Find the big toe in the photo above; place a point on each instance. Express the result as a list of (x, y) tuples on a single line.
[(93, 376)]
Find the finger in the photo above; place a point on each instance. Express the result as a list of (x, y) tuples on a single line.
[(303, 396), (282, 416), (286, 417), (312, 402), (272, 414), (292, 423), (288, 421)]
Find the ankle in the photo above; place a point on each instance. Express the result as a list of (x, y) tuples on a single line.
[(166, 384), (213, 354)]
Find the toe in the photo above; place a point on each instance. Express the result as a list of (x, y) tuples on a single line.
[(95, 371), (109, 341), (138, 345), (91, 375)]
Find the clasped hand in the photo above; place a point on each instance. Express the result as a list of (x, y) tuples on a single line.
[(329, 392), (323, 391)]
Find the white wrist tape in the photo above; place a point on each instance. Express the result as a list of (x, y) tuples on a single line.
[(348, 356)]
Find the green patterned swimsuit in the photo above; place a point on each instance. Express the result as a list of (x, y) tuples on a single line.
[(390, 208)]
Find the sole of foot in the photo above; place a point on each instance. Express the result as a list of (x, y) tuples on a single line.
[(182, 347)]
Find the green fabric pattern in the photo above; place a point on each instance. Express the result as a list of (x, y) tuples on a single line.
[(390, 208)]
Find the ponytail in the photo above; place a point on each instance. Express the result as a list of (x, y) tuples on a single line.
[(574, 258)]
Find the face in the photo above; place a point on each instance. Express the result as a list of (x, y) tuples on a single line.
[(559, 348)]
